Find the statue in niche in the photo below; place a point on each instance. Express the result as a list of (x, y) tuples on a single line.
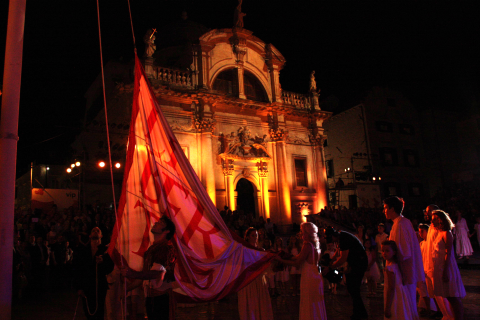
[(149, 40), (313, 83), (238, 16)]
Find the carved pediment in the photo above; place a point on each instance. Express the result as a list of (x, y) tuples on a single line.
[(241, 145)]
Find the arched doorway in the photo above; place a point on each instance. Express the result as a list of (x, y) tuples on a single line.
[(246, 196)]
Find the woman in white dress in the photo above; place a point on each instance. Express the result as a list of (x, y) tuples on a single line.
[(312, 304), (447, 281), (462, 238), (253, 300)]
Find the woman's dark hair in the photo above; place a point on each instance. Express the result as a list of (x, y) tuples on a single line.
[(392, 245), (396, 203), (170, 226), (447, 221), (423, 226), (247, 233)]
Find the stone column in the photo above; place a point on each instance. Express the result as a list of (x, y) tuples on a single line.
[(205, 125), (278, 135), (241, 88), (230, 189), (263, 174), (208, 171), (321, 186)]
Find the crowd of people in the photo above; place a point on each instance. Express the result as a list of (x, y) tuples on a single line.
[(379, 246)]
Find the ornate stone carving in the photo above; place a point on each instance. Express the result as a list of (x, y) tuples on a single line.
[(205, 124), (149, 40), (276, 133), (183, 126), (238, 16), (262, 169), (242, 144), (227, 167), (246, 172), (313, 83)]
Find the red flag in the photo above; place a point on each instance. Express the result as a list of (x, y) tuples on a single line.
[(159, 180)]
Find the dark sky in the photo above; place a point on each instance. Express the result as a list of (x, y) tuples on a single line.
[(429, 51)]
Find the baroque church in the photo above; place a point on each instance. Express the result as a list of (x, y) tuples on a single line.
[(255, 147)]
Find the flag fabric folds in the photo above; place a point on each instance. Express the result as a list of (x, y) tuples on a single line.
[(159, 180)]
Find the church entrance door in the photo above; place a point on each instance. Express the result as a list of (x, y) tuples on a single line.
[(245, 196)]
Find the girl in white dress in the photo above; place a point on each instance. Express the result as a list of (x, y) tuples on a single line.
[(447, 281), (462, 238), (396, 304), (312, 304), (253, 300)]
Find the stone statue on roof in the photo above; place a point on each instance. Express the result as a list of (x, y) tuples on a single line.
[(149, 40), (238, 16), (313, 83)]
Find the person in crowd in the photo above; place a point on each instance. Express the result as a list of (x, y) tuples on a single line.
[(443, 306), (312, 303), (269, 226), (294, 248), (332, 251), (157, 273), (409, 255), (91, 265), (396, 300), (447, 281), (254, 300), (426, 303), (477, 229), (373, 273), (379, 238), (463, 246), (352, 252), (360, 234), (281, 270)]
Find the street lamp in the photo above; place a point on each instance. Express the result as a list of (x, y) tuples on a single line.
[(101, 164), (72, 165), (69, 170), (77, 163), (118, 165)]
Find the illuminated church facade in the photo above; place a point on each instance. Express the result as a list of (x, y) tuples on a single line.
[(254, 146)]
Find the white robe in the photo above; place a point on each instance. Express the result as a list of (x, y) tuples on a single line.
[(408, 248)]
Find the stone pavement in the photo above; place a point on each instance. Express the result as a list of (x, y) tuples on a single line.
[(61, 304)]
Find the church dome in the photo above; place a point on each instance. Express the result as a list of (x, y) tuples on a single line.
[(174, 43)]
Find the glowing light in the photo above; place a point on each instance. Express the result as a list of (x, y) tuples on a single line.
[(374, 178), (48, 168), (379, 178), (118, 165), (101, 164), (69, 170), (72, 165), (348, 169), (345, 170), (77, 163)]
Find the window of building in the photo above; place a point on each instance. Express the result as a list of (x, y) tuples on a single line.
[(329, 167), (415, 189), (383, 126), (388, 157), (226, 82), (301, 172), (392, 189), (411, 158), (407, 129)]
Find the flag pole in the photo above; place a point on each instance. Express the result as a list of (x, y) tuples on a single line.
[(8, 147)]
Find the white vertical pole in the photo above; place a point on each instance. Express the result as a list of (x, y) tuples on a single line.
[(8, 147)]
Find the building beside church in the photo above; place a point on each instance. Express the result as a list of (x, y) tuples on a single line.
[(377, 149), (256, 147)]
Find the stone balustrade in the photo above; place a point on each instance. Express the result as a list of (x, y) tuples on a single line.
[(300, 101), (174, 76)]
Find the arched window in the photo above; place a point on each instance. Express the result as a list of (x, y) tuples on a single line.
[(227, 83)]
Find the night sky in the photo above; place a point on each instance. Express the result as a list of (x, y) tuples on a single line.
[(429, 51)]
